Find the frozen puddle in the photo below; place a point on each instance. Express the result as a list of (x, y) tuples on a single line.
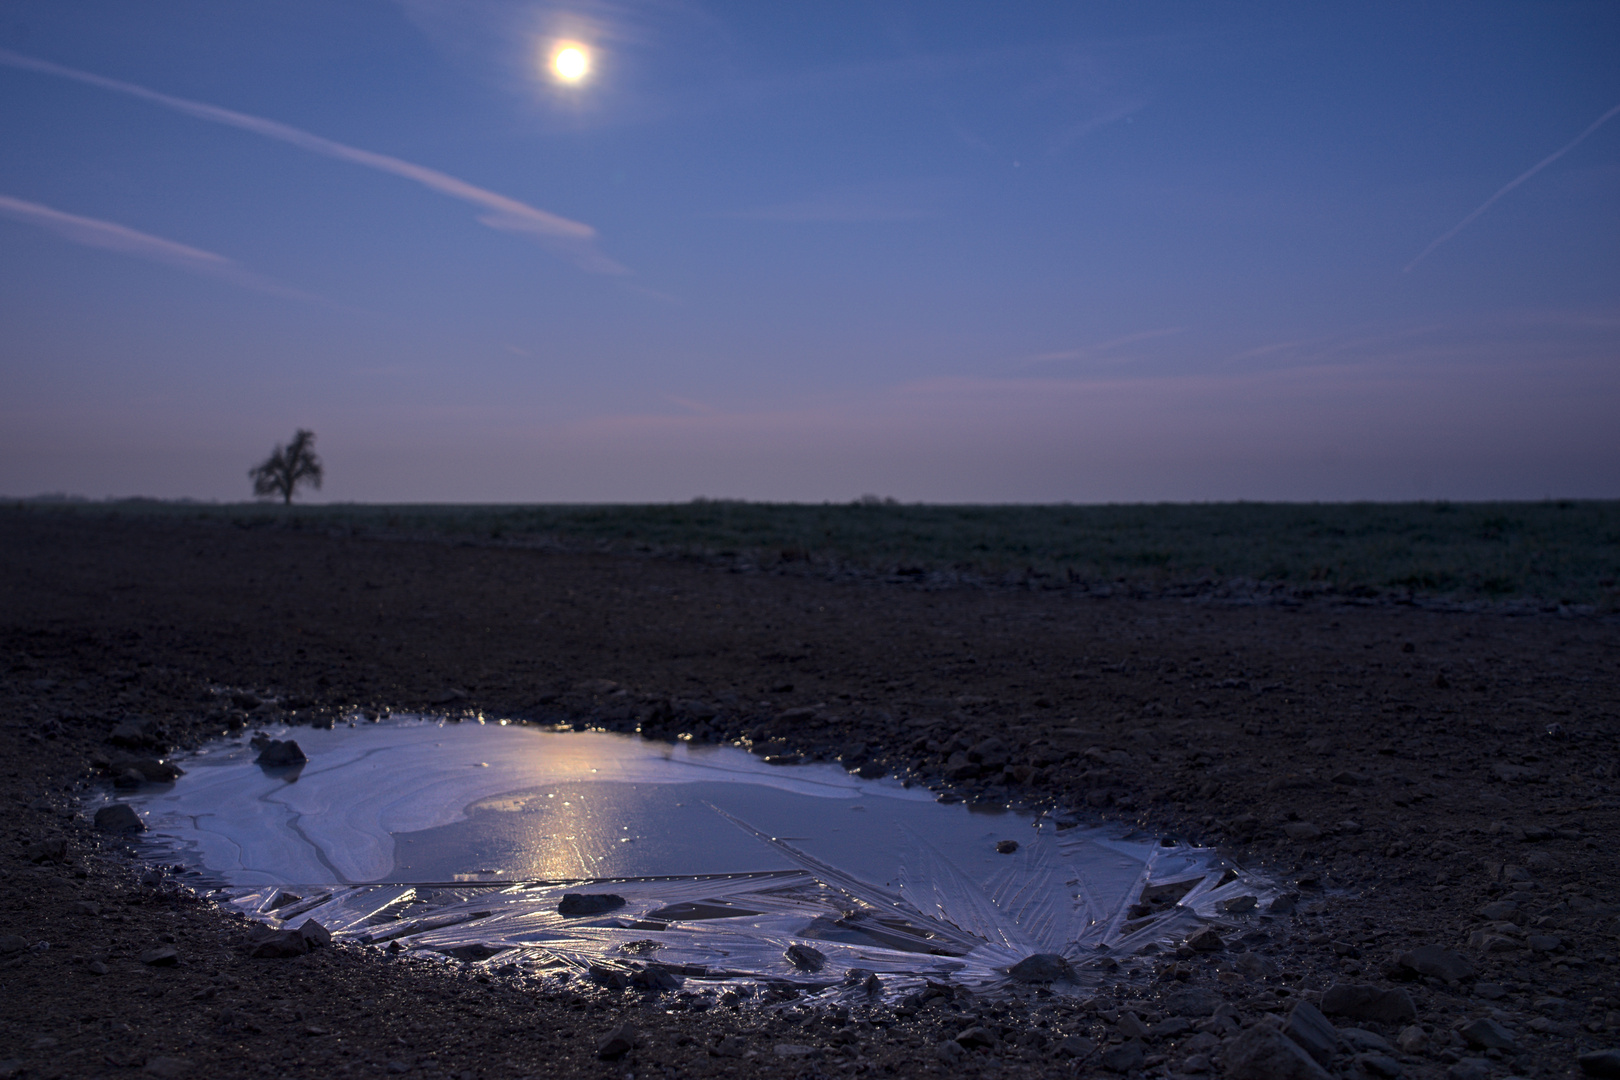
[(463, 839)]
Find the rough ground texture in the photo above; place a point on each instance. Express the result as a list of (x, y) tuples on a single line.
[(1442, 788)]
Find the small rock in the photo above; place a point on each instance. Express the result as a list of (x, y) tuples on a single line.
[(10, 1068), (129, 780), (1283, 905), (1379, 1065), (168, 1067), (1302, 830), (1172, 1028), (1544, 942), (1193, 1002), (53, 850), (975, 1037), (1604, 1064), (1437, 962), (1264, 1053), (314, 933), (281, 945), (1314, 1032), (805, 958), (119, 818), (1359, 1040), (279, 754), (283, 899), (731, 1046), (158, 772), (96, 967), (1469, 1069), (949, 1051), (160, 957), (1195, 1063), (1006, 847), (1412, 1039), (573, 905), (1487, 1034), (1205, 940), (617, 1043), (1499, 910), (1125, 1057), (1240, 904), (1075, 1046), (1369, 1003), (85, 907), (1490, 991), (128, 734), (11, 943), (1040, 968), (794, 1050), (1130, 1025)]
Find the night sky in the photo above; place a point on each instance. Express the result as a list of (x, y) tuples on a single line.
[(941, 251)]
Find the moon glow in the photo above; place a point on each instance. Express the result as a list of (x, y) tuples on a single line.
[(570, 62)]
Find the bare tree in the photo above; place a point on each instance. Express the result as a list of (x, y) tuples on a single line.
[(288, 467)]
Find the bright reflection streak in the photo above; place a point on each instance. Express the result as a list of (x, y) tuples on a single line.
[(570, 61)]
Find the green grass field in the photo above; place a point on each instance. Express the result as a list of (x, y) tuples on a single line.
[(1555, 552)]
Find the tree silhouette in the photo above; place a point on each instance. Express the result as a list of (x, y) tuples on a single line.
[(288, 467)]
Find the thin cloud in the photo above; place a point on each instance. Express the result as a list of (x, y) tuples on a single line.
[(1515, 182), (1091, 351), (575, 239), (1121, 111), (110, 236)]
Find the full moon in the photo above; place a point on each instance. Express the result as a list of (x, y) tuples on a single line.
[(570, 62)]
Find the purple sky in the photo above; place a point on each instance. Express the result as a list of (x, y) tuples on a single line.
[(940, 251)]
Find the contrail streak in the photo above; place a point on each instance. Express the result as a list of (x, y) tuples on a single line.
[(110, 236), (1542, 164), (505, 213)]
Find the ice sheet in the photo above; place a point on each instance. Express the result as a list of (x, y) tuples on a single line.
[(461, 839)]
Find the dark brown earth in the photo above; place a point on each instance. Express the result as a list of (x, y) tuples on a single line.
[(1405, 767)]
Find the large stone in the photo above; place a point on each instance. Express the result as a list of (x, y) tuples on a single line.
[(119, 818), (1264, 1053), (617, 1043), (281, 945), (1360, 1002), (1314, 1032), (164, 956), (53, 850), (1438, 962), (577, 904), (1125, 1057), (314, 933), (1604, 1064), (1040, 968), (1075, 1046), (1487, 1034), (805, 958), (1192, 1002), (280, 754), (975, 1037)]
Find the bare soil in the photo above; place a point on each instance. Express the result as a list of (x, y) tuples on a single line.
[(1403, 767)]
